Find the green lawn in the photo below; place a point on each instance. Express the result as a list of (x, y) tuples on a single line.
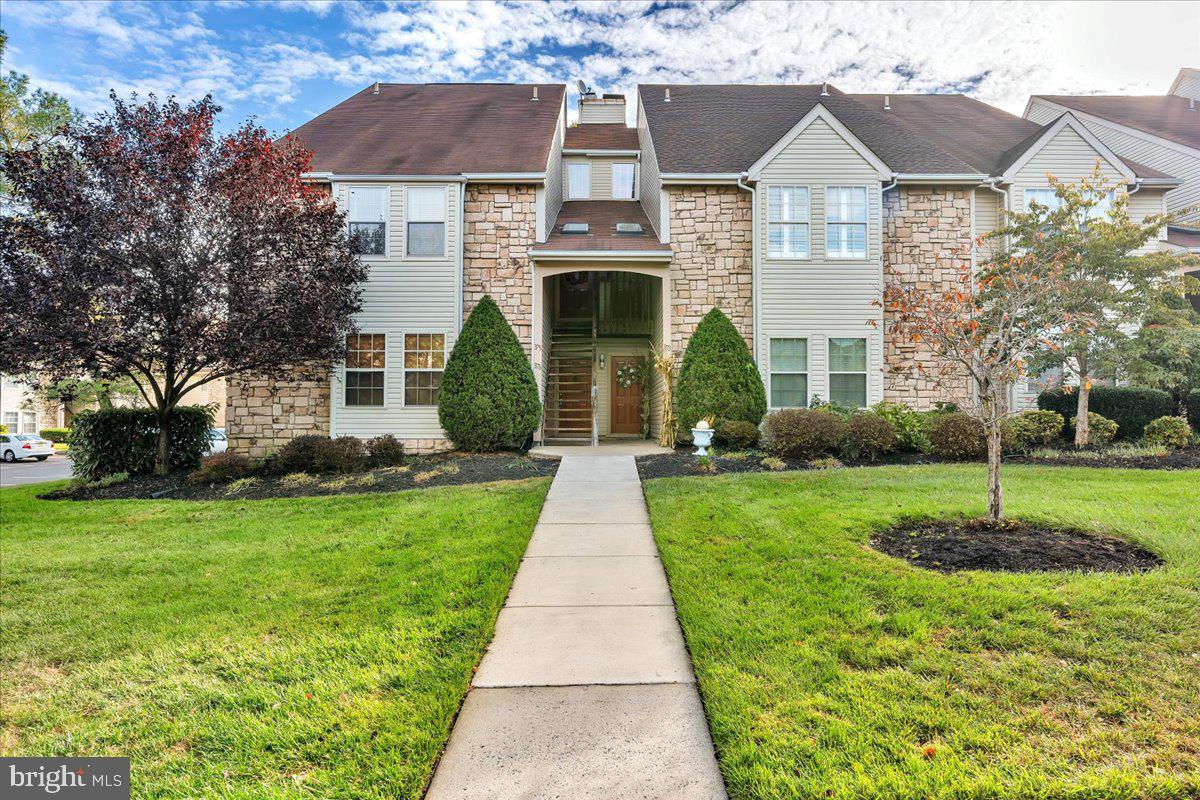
[(827, 668), (256, 649)]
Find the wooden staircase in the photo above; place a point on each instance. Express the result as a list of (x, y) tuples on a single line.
[(569, 408)]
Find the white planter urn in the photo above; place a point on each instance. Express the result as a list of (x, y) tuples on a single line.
[(702, 438)]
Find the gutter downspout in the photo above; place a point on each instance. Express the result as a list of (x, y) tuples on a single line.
[(458, 278), (991, 184), (755, 275)]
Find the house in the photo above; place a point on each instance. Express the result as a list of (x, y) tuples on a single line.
[(1161, 131), (781, 205)]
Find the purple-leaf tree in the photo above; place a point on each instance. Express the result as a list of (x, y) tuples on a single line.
[(146, 246)]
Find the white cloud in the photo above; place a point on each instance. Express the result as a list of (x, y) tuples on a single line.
[(998, 52)]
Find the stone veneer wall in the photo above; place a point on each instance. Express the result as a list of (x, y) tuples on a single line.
[(262, 415), (500, 228), (926, 230), (711, 234)]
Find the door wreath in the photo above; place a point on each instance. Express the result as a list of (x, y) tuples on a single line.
[(629, 374)]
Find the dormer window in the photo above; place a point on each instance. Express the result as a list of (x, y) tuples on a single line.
[(366, 215), (622, 181), (579, 181)]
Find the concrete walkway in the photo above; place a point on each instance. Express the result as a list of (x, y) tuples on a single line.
[(586, 691)]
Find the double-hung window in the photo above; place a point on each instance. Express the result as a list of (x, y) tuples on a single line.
[(11, 421), (789, 373), (1043, 197), (426, 218), (846, 222), (787, 222), (366, 214), (29, 422), (848, 372), (579, 181), (424, 360), (622, 181), (366, 361)]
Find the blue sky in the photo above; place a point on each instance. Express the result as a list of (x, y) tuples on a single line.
[(285, 61)]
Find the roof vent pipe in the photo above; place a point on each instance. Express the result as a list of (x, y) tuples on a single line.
[(825, 89), (535, 97), (887, 102), (376, 90), (667, 95)]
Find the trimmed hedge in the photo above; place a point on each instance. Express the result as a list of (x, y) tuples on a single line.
[(312, 453), (718, 377), (55, 435), (221, 468), (802, 432), (1031, 429), (1169, 432), (1101, 430), (868, 435), (116, 440), (957, 435), (489, 398), (736, 434), (1129, 406)]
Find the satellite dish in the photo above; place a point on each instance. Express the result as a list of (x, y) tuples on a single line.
[(583, 89)]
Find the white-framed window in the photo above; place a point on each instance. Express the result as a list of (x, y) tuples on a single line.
[(424, 360), (29, 422), (366, 369), (787, 222), (789, 373), (425, 218), (1045, 196), (366, 216), (622, 181), (846, 222), (12, 421), (579, 181), (848, 372)]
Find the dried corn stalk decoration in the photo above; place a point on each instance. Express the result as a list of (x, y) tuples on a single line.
[(664, 365)]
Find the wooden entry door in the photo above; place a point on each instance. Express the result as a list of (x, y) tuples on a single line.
[(626, 412)]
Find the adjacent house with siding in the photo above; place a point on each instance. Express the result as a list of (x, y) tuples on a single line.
[(781, 205)]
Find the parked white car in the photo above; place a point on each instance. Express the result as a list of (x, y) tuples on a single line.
[(16, 446), (217, 441)]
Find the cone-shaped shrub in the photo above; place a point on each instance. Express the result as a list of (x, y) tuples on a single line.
[(718, 378), (488, 399)]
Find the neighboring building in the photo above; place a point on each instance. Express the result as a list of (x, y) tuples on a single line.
[(1161, 131), (781, 205), (22, 411)]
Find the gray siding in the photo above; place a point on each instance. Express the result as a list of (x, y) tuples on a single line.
[(986, 218), (402, 295), (555, 186), (601, 167), (1189, 86), (601, 112), (650, 183), (1174, 159), (819, 297)]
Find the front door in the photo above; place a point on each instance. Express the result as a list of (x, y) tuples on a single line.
[(626, 412)]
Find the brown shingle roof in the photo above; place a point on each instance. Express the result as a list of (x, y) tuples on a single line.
[(726, 128), (602, 217), (1167, 116), (601, 136), (436, 129), (986, 137)]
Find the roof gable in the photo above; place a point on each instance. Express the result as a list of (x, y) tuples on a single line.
[(819, 112), (1015, 159), (1168, 117)]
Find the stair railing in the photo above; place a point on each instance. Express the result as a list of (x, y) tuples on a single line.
[(595, 393)]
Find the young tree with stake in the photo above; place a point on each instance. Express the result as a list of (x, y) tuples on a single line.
[(150, 248)]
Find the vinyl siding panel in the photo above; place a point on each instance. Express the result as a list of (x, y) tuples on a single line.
[(601, 112), (1188, 86), (986, 219), (820, 297), (555, 178), (402, 295), (1175, 160), (650, 181)]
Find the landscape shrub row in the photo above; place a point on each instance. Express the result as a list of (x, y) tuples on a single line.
[(56, 435), (1131, 407), (114, 440), (306, 455)]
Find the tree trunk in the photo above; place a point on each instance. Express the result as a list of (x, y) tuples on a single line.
[(162, 461), (1082, 434), (995, 493)]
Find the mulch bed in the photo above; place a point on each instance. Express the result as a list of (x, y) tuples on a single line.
[(682, 463), (418, 472), (1185, 458), (1012, 546)]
